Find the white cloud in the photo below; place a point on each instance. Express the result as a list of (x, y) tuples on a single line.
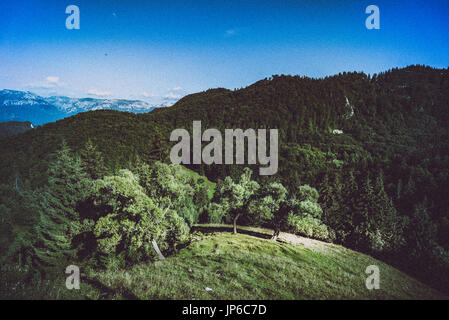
[(172, 95), (52, 79), (146, 94), (95, 92), (49, 83), (177, 89)]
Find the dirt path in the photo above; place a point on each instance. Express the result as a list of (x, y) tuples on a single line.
[(314, 245)]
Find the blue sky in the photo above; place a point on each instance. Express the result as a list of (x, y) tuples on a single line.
[(156, 50)]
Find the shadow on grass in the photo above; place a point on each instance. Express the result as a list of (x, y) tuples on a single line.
[(211, 229), (110, 293)]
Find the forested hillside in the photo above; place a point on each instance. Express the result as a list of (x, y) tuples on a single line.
[(375, 147), (11, 128)]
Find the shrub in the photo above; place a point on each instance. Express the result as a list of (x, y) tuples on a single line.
[(189, 212), (309, 227), (216, 212), (177, 230)]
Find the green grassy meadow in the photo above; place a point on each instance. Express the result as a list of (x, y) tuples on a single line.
[(244, 266)]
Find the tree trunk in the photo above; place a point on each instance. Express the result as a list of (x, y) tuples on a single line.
[(275, 234), (235, 223), (156, 248)]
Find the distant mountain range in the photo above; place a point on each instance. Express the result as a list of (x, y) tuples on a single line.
[(27, 106)]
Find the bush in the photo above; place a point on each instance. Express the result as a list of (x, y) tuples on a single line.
[(310, 208), (309, 227), (189, 212), (216, 213), (177, 230), (307, 192)]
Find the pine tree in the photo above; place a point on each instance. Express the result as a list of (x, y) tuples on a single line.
[(389, 223), (331, 199), (362, 216), (350, 202), (378, 227), (92, 161), (59, 220)]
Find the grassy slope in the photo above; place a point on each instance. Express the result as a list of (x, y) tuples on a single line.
[(207, 183), (247, 267)]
